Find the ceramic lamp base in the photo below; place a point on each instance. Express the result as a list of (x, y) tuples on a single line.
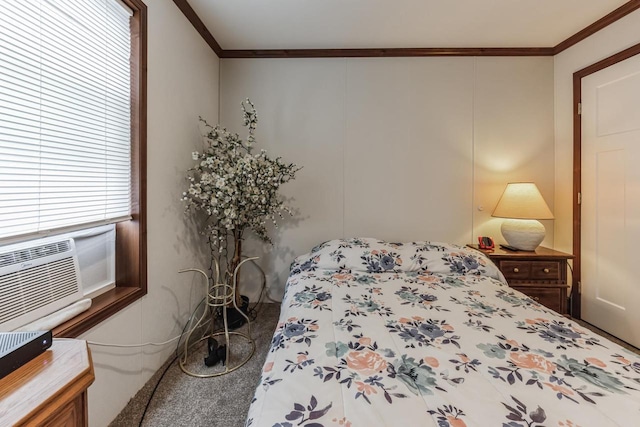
[(523, 234)]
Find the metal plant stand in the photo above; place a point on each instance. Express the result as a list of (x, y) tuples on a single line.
[(220, 295)]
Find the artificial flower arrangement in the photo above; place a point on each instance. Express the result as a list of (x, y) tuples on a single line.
[(233, 189)]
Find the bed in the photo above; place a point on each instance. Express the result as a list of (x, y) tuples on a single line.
[(428, 334)]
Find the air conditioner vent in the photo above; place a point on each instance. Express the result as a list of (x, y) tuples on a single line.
[(34, 253), (36, 280)]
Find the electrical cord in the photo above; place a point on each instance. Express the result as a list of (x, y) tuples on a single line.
[(144, 412), (155, 388), (252, 312), (175, 357), (158, 344), (571, 291), (570, 268), (104, 344)]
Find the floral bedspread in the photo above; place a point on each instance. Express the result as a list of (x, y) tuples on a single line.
[(428, 334)]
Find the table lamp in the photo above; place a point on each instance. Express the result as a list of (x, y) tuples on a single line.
[(522, 205)]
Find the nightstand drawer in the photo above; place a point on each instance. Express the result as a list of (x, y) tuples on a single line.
[(541, 274), (516, 269), (549, 297), (531, 270), (545, 270)]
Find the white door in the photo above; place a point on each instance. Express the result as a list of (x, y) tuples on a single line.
[(610, 228)]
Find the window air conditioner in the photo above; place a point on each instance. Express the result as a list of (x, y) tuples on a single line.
[(36, 279)]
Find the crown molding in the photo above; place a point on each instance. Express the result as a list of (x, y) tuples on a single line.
[(391, 52), (197, 23), (601, 23)]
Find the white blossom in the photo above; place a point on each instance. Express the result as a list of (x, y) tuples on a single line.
[(236, 188)]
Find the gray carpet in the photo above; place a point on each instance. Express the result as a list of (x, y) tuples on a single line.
[(182, 400)]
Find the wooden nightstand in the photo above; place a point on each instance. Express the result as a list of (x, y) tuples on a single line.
[(541, 274)]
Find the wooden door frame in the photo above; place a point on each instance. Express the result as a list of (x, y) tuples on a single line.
[(576, 304)]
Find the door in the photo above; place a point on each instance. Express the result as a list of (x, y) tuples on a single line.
[(610, 229)]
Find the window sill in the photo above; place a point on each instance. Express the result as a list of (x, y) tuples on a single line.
[(102, 307)]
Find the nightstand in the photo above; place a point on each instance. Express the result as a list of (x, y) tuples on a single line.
[(541, 274)]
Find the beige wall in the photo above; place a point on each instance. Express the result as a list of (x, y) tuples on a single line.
[(182, 84), (614, 38), (396, 148), (513, 135)]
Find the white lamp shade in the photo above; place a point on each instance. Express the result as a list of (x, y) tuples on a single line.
[(522, 200)]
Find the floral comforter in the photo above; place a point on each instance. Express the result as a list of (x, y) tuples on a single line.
[(428, 334)]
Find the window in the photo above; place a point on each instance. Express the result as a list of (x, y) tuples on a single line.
[(73, 130), (65, 115)]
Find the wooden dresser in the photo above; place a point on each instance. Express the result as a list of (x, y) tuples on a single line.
[(50, 390), (541, 274)]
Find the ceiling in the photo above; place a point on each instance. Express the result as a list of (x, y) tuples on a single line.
[(360, 24)]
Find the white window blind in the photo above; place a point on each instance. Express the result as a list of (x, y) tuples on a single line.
[(65, 114)]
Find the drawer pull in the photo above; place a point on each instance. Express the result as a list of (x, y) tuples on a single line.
[(516, 270), (546, 270), (537, 299)]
